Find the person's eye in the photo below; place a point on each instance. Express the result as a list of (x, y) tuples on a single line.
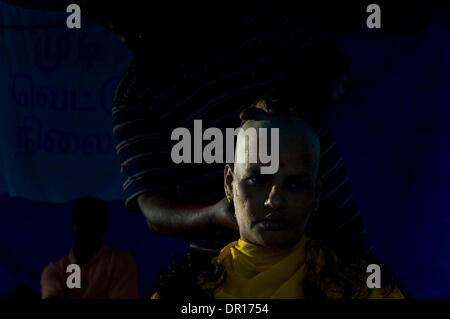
[(299, 185), (256, 180), (294, 186)]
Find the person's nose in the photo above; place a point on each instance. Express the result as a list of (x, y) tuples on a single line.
[(275, 199)]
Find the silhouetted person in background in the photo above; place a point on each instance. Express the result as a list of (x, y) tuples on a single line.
[(106, 273)]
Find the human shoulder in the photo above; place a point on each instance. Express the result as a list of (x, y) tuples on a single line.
[(57, 266), (118, 252), (119, 257)]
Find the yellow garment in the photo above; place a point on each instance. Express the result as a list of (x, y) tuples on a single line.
[(257, 272)]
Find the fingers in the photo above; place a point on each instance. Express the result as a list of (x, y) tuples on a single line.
[(244, 115), (249, 113), (252, 112), (223, 215)]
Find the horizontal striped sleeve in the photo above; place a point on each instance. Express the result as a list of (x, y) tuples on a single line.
[(142, 147), (338, 218)]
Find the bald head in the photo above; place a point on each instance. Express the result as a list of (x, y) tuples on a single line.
[(272, 209), (280, 136)]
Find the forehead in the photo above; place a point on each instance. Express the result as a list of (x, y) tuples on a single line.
[(292, 161), (294, 142)]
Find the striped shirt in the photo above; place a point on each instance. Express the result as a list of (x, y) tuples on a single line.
[(155, 98)]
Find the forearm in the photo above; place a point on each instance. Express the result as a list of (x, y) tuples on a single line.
[(187, 221)]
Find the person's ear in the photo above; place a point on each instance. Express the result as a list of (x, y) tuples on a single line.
[(228, 177)]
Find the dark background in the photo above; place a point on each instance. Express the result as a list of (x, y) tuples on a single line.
[(393, 131)]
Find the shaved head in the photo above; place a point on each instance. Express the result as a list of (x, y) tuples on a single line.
[(272, 210), (294, 134)]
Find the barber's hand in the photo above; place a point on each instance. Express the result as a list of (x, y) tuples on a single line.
[(262, 108), (222, 216)]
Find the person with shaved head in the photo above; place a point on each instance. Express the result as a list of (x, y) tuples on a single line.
[(272, 209), (273, 257), (217, 85)]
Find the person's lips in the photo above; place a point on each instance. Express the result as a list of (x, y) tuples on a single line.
[(272, 224)]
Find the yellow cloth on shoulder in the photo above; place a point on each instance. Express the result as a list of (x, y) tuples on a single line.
[(257, 272), (253, 271)]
